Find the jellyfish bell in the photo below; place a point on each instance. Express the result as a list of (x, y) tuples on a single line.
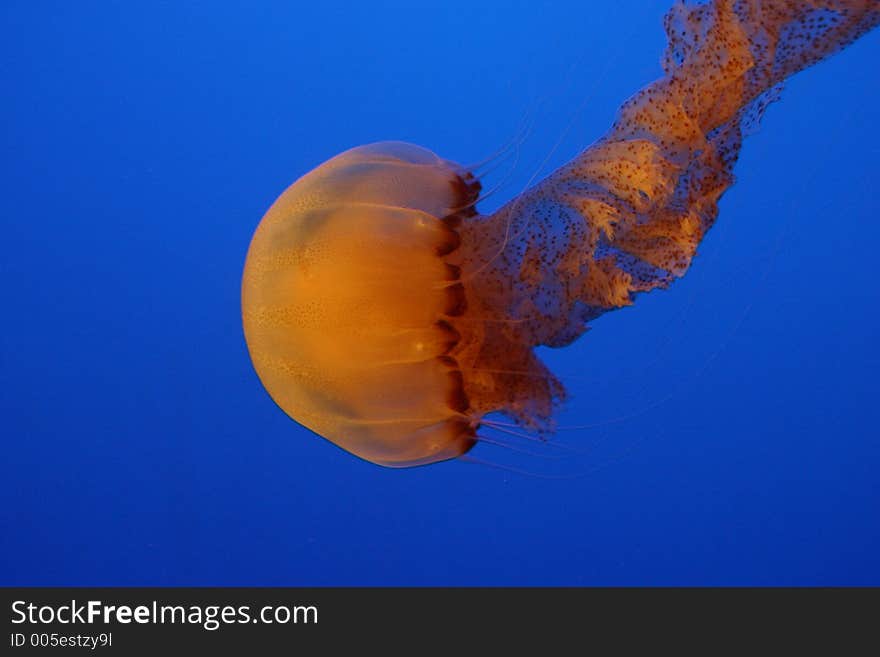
[(349, 298)]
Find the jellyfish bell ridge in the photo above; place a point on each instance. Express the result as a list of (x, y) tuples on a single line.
[(350, 299)]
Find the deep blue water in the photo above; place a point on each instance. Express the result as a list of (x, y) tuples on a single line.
[(734, 435)]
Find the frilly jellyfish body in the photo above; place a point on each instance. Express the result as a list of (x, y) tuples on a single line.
[(383, 312)]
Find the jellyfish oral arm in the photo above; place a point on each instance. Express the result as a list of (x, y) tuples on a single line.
[(627, 214)]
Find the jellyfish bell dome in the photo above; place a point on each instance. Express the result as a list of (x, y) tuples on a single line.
[(349, 295)]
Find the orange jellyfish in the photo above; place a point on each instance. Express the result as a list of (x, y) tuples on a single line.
[(384, 313)]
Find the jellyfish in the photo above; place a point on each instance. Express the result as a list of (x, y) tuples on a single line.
[(384, 313)]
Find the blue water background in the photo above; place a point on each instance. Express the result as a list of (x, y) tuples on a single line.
[(733, 419)]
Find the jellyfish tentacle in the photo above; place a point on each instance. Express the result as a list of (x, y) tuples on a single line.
[(515, 448), (514, 143)]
